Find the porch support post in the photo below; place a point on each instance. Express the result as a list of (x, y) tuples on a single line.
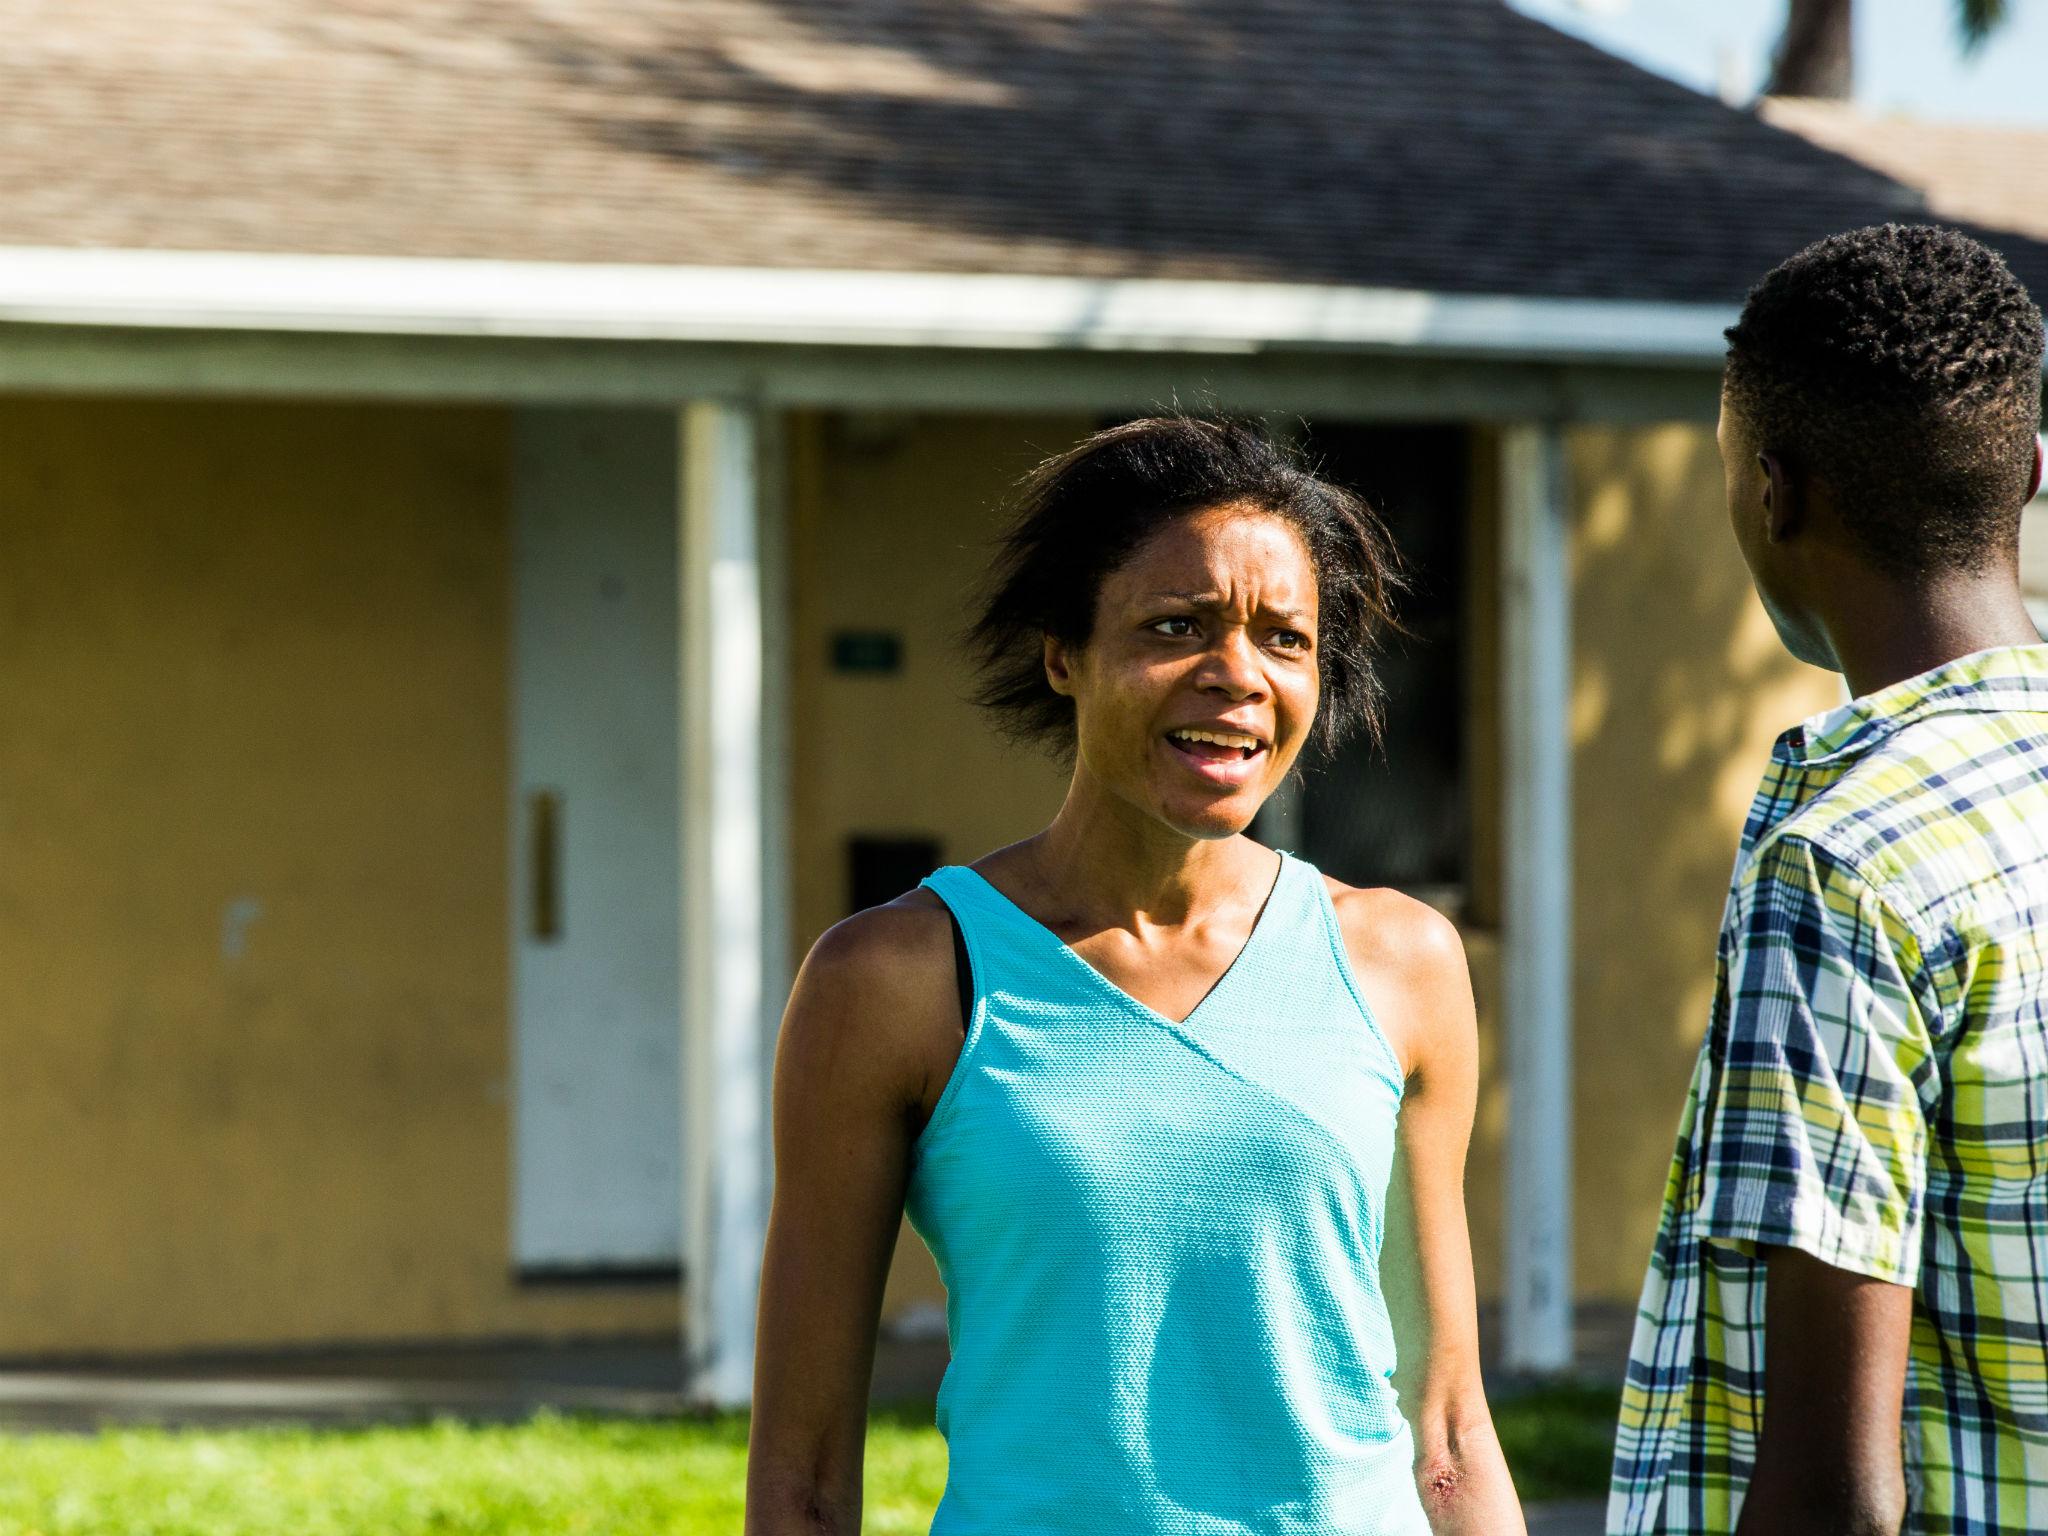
[(1537, 957), (726, 845)]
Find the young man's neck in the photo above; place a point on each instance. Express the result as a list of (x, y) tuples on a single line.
[(1884, 635)]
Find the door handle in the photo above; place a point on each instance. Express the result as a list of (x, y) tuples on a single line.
[(544, 844)]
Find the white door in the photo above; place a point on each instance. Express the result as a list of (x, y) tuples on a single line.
[(595, 878)]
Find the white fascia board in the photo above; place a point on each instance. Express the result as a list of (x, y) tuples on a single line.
[(407, 296)]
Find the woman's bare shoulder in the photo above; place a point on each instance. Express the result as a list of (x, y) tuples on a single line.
[(875, 1011), (905, 943), (1389, 929), (1410, 963)]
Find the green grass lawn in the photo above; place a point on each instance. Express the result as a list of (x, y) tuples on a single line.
[(553, 1475)]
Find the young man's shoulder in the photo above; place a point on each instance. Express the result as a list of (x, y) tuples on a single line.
[(1931, 803), (1931, 845)]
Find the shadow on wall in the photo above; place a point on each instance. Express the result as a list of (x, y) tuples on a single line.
[(1681, 688), (1121, 137)]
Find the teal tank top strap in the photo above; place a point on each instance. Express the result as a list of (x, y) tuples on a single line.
[(1340, 956), (992, 927)]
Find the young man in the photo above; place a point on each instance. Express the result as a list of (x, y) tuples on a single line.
[(1844, 1331)]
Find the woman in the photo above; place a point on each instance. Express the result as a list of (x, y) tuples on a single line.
[(1136, 1077)]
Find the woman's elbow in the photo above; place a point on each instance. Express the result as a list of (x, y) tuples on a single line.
[(1458, 1458), (791, 1501)]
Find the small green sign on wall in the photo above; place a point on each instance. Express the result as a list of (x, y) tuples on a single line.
[(867, 650)]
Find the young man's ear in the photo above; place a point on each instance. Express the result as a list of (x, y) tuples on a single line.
[(2034, 485), (1784, 498), (1059, 666)]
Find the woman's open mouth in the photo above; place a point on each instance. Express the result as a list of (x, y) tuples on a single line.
[(1218, 755)]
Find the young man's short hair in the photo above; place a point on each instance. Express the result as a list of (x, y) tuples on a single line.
[(1901, 366)]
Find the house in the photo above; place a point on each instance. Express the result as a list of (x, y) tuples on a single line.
[(488, 494)]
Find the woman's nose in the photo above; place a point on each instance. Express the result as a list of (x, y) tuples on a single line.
[(1231, 666)]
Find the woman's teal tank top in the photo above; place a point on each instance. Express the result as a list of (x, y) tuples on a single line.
[(1161, 1240)]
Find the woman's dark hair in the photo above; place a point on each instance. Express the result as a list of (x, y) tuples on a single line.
[(1078, 517)]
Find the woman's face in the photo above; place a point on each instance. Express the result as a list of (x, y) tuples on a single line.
[(1194, 694)]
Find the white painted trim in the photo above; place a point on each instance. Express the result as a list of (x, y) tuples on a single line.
[(1384, 386), (1536, 675), (778, 757), (183, 290), (724, 850)]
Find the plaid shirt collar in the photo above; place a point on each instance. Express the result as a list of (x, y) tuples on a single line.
[(2013, 677)]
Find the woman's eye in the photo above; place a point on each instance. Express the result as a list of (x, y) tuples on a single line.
[(1176, 627), (1291, 640)]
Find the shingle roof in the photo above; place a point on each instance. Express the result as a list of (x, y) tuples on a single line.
[(1992, 175), (1452, 145)]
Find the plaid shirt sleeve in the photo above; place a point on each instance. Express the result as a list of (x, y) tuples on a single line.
[(1818, 1136)]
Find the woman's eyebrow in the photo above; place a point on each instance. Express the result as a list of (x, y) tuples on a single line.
[(1213, 602)]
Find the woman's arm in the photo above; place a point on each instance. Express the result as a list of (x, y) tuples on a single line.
[(1412, 964), (871, 1022)]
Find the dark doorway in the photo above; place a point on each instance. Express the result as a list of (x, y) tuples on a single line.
[(1399, 815)]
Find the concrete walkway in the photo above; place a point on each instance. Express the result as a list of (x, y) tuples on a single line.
[(1578, 1517), (634, 1379)]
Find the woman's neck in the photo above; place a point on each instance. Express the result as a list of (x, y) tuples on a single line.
[(1109, 860)]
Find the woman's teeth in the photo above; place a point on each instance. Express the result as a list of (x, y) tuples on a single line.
[(1236, 741)]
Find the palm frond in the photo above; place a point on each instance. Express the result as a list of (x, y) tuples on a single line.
[(1978, 19)]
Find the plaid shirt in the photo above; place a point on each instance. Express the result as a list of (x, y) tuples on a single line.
[(1873, 1090)]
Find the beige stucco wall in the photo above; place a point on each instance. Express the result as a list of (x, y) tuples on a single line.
[(1485, 1215), (252, 899), (1680, 688), (891, 522)]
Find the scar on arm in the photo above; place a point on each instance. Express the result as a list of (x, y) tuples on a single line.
[(1440, 1481)]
